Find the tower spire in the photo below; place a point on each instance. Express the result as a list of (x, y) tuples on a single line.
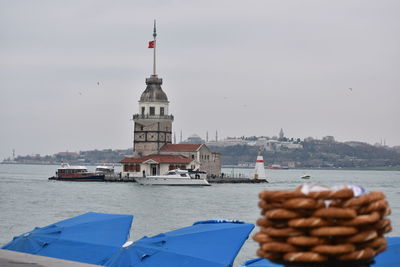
[(154, 52)]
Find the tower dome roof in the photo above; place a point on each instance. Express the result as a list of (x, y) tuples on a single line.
[(153, 92)]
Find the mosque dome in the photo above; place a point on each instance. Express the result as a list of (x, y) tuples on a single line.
[(194, 139), (153, 92)]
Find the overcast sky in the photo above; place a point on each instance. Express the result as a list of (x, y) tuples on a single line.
[(313, 68)]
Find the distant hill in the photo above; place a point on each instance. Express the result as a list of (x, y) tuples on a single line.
[(312, 154), (316, 154), (90, 157)]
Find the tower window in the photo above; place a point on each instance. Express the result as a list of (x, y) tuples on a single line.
[(143, 109), (152, 110), (162, 111)]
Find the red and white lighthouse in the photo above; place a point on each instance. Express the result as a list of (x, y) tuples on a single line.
[(259, 170)]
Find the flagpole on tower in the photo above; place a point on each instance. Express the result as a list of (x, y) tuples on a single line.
[(155, 44)]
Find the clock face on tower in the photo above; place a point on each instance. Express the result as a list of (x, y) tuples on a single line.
[(151, 136), (139, 136)]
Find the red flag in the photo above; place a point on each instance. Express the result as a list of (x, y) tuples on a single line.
[(152, 44)]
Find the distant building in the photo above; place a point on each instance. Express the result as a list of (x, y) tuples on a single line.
[(308, 139), (153, 150), (328, 139), (193, 139), (204, 158), (268, 144), (230, 141)]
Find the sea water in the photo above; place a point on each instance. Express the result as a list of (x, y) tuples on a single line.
[(28, 199)]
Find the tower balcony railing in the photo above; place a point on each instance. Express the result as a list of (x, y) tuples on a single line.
[(153, 117)]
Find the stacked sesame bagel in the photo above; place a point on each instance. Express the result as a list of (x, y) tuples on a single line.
[(322, 225)]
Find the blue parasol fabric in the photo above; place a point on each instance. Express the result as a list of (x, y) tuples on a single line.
[(389, 258), (213, 243), (259, 262), (89, 238)]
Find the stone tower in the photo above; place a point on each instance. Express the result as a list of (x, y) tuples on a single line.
[(153, 124)]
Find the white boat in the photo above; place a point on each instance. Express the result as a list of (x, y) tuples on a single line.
[(105, 169), (175, 177), (305, 176)]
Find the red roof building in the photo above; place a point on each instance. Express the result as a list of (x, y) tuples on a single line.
[(174, 156), (175, 159), (156, 164), (181, 147)]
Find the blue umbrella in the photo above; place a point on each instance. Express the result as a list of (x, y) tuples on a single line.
[(389, 258), (213, 243), (259, 262), (89, 238)]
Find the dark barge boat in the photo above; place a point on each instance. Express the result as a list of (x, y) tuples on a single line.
[(77, 174)]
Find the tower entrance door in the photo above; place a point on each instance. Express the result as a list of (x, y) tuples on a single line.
[(153, 168)]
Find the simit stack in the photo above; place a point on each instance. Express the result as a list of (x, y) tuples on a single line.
[(322, 225)]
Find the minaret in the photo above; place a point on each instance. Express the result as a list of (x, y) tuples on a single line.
[(153, 124), (281, 134)]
